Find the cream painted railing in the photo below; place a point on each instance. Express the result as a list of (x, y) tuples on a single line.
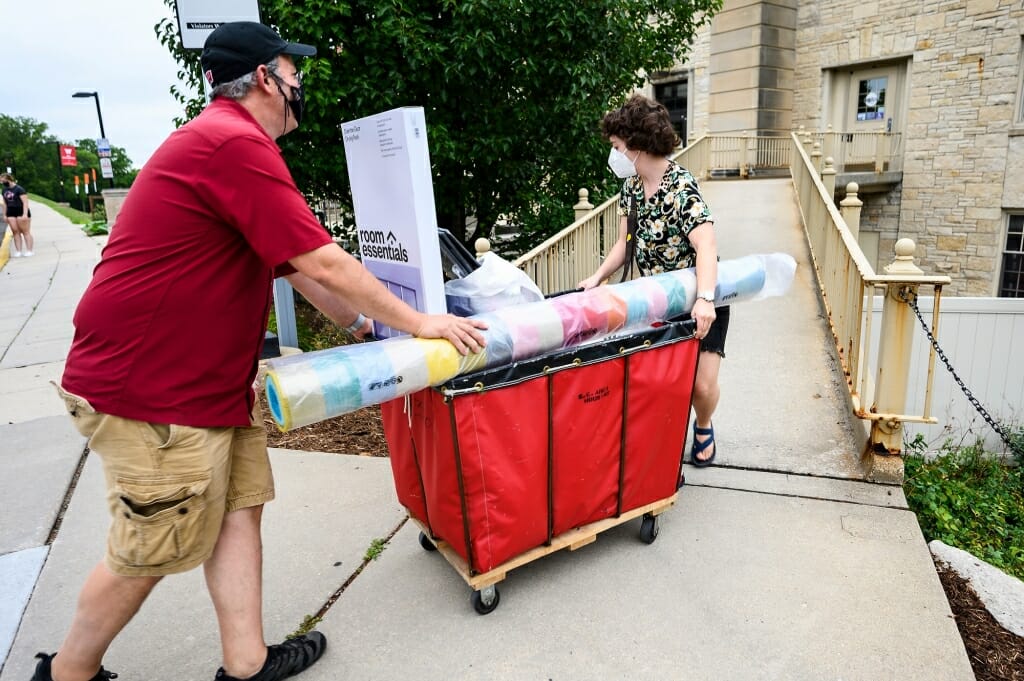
[(747, 155), (877, 378), (851, 152), (563, 260)]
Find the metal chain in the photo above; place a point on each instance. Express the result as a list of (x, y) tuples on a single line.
[(998, 428)]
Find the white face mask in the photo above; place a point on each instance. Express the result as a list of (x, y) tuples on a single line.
[(620, 164)]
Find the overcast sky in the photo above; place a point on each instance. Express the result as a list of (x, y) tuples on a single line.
[(53, 48)]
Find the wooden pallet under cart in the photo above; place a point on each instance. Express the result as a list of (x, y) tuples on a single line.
[(485, 596)]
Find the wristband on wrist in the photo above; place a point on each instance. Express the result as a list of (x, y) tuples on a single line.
[(357, 324)]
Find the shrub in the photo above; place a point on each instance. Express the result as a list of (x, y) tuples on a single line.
[(969, 499), (96, 228)]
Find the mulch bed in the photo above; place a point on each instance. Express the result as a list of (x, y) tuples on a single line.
[(995, 653), (359, 432)]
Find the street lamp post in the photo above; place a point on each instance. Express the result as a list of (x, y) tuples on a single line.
[(99, 115)]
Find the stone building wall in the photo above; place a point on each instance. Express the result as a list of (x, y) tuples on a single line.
[(963, 150), (881, 213), (964, 60), (695, 68), (700, 81)]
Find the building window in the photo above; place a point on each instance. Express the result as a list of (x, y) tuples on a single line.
[(675, 97), (1011, 283), (871, 99)]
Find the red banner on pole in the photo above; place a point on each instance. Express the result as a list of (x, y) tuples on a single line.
[(68, 155)]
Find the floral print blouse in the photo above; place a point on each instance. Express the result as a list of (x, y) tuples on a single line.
[(665, 220)]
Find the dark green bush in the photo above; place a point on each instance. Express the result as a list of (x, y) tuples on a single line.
[(96, 228), (969, 499)]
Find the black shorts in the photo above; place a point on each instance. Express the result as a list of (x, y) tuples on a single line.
[(715, 340), (17, 213)]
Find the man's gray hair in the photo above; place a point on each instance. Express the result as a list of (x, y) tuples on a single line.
[(239, 87)]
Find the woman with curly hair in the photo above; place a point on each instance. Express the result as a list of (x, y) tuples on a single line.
[(665, 225)]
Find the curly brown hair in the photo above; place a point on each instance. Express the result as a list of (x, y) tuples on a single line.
[(643, 124)]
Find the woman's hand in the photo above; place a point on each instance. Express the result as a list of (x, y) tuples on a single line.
[(704, 312), (462, 332), (590, 282)]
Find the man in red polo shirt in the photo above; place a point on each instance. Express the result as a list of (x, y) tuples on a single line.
[(167, 339)]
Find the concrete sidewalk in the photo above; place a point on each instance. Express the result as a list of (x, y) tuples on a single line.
[(755, 574)]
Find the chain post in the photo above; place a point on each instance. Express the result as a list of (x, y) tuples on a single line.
[(882, 457), (975, 402)]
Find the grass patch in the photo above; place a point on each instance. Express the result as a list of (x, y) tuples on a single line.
[(970, 499), (309, 623), (375, 550), (76, 216)]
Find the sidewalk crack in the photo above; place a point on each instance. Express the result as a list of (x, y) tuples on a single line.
[(362, 566), (67, 497)]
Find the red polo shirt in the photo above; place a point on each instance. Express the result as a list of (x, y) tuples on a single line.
[(171, 325)]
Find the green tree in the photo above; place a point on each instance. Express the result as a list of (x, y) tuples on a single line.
[(32, 152), (513, 92)]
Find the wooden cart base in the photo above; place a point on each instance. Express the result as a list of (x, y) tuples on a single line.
[(485, 593)]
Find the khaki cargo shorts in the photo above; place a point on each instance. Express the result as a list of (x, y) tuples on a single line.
[(169, 486)]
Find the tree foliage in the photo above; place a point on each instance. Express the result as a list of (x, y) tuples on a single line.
[(32, 153), (513, 92)]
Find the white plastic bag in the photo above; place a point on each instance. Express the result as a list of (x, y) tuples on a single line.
[(497, 283)]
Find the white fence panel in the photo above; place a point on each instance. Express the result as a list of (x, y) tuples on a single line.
[(984, 341)]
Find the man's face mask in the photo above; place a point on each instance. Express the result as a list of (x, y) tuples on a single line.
[(295, 102), (620, 164)]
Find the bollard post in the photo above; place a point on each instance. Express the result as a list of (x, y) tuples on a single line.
[(881, 150), (482, 246), (850, 207), (828, 177), (816, 157), (744, 166), (706, 154), (583, 206), (882, 458)]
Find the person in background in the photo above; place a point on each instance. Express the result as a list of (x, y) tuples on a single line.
[(18, 216), (666, 226), (167, 339)]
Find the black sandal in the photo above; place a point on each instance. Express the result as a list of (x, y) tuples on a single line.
[(699, 447), (286, 659)]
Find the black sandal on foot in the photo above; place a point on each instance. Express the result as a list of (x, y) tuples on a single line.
[(42, 672), (699, 447), (286, 659)]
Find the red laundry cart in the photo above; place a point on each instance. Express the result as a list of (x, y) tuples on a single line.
[(506, 465)]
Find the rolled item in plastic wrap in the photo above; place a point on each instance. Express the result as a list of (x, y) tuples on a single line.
[(311, 387)]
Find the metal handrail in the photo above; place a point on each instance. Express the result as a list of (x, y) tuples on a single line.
[(848, 283)]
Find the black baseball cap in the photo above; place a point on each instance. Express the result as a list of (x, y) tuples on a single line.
[(236, 48)]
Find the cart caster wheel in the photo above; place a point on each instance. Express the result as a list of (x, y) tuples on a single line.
[(649, 528), (426, 543), (486, 599)]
